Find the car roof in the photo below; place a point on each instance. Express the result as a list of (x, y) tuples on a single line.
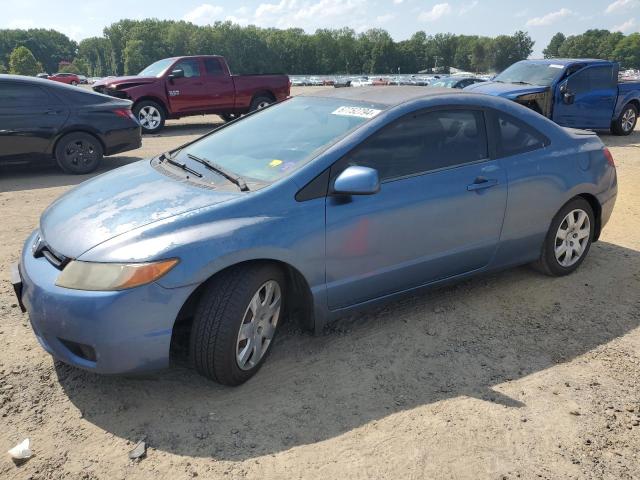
[(566, 61), (25, 79), (384, 95)]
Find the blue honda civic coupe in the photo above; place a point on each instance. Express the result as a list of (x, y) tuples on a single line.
[(310, 209)]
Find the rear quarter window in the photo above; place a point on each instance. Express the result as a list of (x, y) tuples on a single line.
[(514, 137)]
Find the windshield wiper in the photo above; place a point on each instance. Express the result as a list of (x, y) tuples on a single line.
[(522, 83), (222, 171), (182, 166)]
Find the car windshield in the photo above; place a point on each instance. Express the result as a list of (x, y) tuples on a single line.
[(156, 69), (272, 143), (446, 82), (542, 74)]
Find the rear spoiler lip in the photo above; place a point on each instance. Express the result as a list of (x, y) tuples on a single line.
[(579, 131)]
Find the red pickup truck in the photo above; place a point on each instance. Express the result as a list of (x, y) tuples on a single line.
[(184, 86)]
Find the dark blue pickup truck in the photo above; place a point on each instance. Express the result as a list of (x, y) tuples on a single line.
[(578, 93)]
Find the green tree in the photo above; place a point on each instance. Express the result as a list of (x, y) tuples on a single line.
[(22, 62), (554, 45), (3, 69), (627, 51), (134, 57), (79, 66), (511, 49)]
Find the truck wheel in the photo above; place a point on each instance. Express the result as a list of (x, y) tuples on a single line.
[(626, 122), (568, 240), (150, 115), (236, 321), (78, 153), (260, 102), (228, 117)]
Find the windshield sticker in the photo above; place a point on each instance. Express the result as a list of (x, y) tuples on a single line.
[(554, 65), (275, 163), (356, 112)]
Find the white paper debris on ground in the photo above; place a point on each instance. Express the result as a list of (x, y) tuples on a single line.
[(22, 451)]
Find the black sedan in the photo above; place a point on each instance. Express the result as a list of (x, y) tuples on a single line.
[(40, 120)]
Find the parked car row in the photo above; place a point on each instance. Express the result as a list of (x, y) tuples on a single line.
[(453, 81)]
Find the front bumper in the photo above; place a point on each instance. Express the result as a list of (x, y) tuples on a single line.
[(105, 332)]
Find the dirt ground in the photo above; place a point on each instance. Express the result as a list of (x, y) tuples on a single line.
[(512, 375)]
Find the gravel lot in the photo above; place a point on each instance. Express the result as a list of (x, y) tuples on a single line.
[(512, 375)]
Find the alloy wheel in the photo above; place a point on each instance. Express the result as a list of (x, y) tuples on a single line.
[(628, 120), (258, 325), (149, 117), (572, 237)]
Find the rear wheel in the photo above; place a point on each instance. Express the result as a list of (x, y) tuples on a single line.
[(626, 122), (78, 153), (228, 117), (260, 102), (236, 321), (150, 115), (569, 239)]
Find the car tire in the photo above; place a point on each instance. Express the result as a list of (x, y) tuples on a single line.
[(74, 83), (225, 314), (567, 242), (626, 121), (78, 153), (260, 102), (150, 115), (228, 117)]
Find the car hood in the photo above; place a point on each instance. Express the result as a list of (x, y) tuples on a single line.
[(117, 202), (111, 82), (507, 90)]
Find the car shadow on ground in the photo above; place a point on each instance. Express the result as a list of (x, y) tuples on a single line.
[(46, 174), (176, 128), (470, 339), (611, 140)]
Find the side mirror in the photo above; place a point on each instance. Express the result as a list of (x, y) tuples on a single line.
[(177, 73), (357, 181), (569, 98)]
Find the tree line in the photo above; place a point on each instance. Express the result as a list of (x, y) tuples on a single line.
[(597, 44), (127, 46)]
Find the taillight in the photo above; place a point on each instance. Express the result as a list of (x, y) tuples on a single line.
[(609, 157), (124, 113)]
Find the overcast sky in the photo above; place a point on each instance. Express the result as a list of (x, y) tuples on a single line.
[(542, 18)]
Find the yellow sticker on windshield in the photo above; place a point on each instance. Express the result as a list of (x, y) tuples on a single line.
[(275, 163)]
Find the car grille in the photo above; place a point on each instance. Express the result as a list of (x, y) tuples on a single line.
[(40, 248)]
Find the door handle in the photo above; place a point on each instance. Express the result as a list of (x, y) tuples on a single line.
[(481, 183)]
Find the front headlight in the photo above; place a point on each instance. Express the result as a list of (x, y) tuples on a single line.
[(112, 276)]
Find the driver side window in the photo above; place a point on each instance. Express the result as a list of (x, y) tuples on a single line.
[(422, 142), (191, 67)]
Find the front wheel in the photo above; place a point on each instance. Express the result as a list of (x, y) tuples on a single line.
[(568, 240), (150, 115), (626, 122), (236, 321)]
